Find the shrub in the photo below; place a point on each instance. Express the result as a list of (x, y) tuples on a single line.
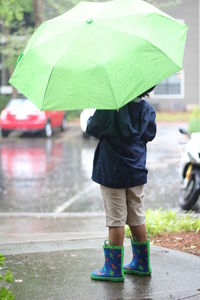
[(159, 221), (73, 114), (6, 278)]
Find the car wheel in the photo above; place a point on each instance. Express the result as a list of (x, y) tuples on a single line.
[(64, 124), (5, 133), (47, 132)]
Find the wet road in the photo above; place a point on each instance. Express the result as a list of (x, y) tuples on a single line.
[(41, 175)]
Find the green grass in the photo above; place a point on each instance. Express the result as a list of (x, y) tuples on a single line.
[(172, 116), (73, 114), (160, 221), (194, 121), (192, 118)]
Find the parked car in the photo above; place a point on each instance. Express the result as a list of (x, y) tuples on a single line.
[(21, 114), (84, 116)]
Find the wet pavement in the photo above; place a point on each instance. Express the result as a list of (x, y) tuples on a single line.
[(66, 275), (52, 224), (24, 229), (53, 175), (51, 257)]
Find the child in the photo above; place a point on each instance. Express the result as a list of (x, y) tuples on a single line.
[(119, 168)]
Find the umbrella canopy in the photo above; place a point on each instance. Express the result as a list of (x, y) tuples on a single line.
[(99, 55)]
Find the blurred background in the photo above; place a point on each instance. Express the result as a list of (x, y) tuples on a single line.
[(47, 168)]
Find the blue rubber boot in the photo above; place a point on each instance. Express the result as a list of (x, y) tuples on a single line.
[(140, 264), (113, 267)]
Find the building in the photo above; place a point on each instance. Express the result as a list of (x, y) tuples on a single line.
[(181, 91)]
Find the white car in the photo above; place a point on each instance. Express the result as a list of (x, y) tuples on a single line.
[(84, 116)]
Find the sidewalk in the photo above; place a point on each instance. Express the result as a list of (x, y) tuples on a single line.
[(53, 260)]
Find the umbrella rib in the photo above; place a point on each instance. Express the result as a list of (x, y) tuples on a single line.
[(47, 85), (107, 74), (143, 38), (156, 47), (35, 45), (112, 90)]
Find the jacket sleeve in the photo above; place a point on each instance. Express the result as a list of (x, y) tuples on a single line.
[(150, 130), (100, 124)]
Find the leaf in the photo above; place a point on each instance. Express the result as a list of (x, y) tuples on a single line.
[(2, 259), (5, 294), (8, 277), (178, 238)]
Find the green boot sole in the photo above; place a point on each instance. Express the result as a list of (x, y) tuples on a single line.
[(116, 279), (137, 272)]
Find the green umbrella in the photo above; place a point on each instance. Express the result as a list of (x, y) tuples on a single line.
[(99, 55)]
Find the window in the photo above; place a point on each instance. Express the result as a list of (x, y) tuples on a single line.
[(172, 87)]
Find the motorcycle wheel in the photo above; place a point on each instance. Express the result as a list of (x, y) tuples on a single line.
[(189, 195)]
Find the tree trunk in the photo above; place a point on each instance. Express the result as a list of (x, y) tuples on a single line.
[(38, 8)]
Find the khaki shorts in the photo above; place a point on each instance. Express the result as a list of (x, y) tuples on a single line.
[(124, 206)]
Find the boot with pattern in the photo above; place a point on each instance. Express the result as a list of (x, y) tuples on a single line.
[(140, 264), (113, 267)]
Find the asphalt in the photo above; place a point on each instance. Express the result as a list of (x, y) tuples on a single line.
[(51, 257), (30, 167)]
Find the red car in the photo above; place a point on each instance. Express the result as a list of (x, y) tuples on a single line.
[(21, 114)]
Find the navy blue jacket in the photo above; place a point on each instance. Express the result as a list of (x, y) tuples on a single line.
[(120, 156)]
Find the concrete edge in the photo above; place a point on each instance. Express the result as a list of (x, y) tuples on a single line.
[(71, 214), (50, 214), (75, 244)]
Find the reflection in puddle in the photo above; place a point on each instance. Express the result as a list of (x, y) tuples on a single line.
[(29, 161), (40, 174)]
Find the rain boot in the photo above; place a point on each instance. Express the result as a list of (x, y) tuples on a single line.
[(113, 267), (140, 264)]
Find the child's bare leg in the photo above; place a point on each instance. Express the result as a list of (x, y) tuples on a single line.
[(116, 235), (139, 232)]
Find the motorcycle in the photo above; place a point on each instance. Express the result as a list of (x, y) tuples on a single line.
[(190, 171)]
